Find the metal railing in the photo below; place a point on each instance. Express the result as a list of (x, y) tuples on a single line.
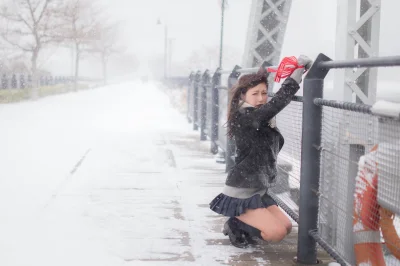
[(349, 136), (22, 81), (318, 164)]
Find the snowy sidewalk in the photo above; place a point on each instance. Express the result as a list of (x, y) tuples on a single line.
[(133, 190)]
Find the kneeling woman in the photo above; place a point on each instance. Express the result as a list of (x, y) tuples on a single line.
[(252, 212)]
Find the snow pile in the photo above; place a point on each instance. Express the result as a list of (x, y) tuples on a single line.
[(386, 108)]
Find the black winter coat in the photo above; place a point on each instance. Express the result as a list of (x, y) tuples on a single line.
[(258, 144)]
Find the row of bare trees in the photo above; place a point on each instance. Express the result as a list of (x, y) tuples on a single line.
[(30, 26)]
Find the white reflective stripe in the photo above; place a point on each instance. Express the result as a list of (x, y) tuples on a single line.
[(363, 237)]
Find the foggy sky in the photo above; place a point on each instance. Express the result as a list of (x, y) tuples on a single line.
[(195, 24)]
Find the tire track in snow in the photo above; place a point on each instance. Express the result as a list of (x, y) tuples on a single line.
[(79, 163), (67, 179)]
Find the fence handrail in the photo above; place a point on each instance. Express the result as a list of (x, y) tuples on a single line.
[(355, 107), (208, 100), (385, 61), (295, 98), (248, 70), (224, 71), (240, 70)]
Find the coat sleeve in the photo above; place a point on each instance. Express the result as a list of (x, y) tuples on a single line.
[(253, 117)]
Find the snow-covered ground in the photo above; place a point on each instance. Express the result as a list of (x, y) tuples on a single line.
[(69, 166), (112, 176)]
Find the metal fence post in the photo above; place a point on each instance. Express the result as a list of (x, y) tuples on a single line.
[(13, 82), (196, 100), (205, 84), (230, 144), (188, 96), (4, 82), (21, 81), (29, 84), (216, 82), (310, 162)]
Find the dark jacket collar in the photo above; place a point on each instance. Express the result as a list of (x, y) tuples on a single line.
[(243, 105)]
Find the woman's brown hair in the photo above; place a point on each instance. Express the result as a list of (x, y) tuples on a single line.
[(244, 83)]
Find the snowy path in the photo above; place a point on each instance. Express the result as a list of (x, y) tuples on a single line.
[(82, 178), (112, 176), (90, 178)]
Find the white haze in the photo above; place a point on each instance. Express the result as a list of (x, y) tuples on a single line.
[(195, 25)]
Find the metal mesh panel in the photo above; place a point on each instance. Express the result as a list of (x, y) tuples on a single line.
[(347, 151), (198, 99), (190, 101), (203, 109), (289, 122), (223, 109), (388, 155), (209, 109), (388, 175)]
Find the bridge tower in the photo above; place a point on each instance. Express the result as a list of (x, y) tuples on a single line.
[(357, 36), (267, 26)]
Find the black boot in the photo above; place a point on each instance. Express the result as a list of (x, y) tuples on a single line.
[(251, 240), (235, 234), (249, 232)]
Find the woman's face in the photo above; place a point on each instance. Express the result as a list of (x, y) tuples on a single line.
[(256, 96)]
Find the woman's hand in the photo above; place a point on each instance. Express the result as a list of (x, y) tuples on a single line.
[(298, 73), (304, 61)]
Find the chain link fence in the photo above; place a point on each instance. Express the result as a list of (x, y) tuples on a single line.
[(339, 169), (289, 122)]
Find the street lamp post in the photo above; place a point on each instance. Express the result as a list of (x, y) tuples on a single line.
[(222, 33), (165, 47), (165, 50)]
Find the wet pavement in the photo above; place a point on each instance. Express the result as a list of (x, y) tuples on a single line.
[(209, 177), (151, 207), (105, 185)]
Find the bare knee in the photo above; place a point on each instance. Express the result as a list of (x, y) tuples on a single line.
[(275, 234), (288, 228), (283, 219)]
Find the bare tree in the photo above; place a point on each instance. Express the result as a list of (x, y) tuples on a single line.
[(106, 45), (30, 25), (82, 25)]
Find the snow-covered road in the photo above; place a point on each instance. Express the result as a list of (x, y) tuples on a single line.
[(82, 177), (112, 176)]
